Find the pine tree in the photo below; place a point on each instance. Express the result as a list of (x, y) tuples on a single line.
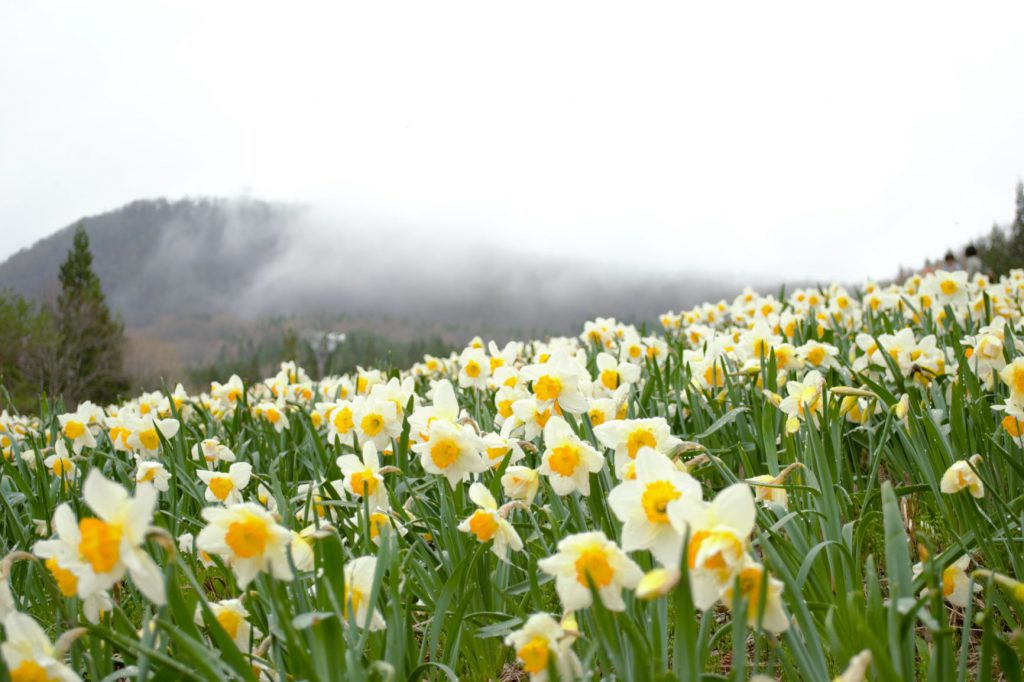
[(90, 355)]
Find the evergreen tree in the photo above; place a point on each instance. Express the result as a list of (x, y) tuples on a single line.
[(90, 356)]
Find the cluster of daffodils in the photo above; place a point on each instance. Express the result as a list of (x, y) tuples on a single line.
[(563, 462)]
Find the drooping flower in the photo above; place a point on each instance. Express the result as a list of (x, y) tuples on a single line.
[(763, 602), (152, 472), (520, 483), (212, 451), (962, 474), (232, 615), (955, 581), (358, 587)]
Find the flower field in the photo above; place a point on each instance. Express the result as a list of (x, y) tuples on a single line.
[(824, 483)]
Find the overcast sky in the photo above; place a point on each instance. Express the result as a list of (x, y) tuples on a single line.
[(801, 140)]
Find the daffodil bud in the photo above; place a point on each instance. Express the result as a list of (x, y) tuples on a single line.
[(657, 583)]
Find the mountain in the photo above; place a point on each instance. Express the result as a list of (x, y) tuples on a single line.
[(156, 257), (246, 259)]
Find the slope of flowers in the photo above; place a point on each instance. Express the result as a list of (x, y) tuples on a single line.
[(826, 484)]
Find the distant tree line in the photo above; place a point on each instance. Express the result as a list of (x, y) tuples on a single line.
[(73, 349), (1003, 248), (361, 348)]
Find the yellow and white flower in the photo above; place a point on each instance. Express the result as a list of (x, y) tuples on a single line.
[(226, 488), (586, 559), (763, 602), (498, 447), (962, 475), (61, 465), (363, 478), (187, 545), (246, 536), (475, 369), (488, 525), (76, 429), (568, 461), (520, 483), (378, 421), (28, 653), (143, 431), (444, 406), (642, 506), (529, 416), (557, 381), (274, 414), (153, 472), (340, 422), (451, 450), (612, 374), (358, 587), (63, 559), (955, 581), (805, 399), (627, 436), (211, 451), (719, 532), (229, 392), (234, 618), (542, 642)]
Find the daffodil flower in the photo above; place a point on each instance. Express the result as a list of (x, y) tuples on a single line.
[(363, 478), (28, 653), (232, 615), (642, 506), (452, 451), (627, 436), (765, 608), (488, 525), (719, 533), (568, 461), (226, 488), (247, 537), (358, 586), (541, 643), (591, 559), (961, 475)]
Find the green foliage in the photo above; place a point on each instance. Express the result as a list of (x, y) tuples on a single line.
[(90, 351), (26, 331)]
